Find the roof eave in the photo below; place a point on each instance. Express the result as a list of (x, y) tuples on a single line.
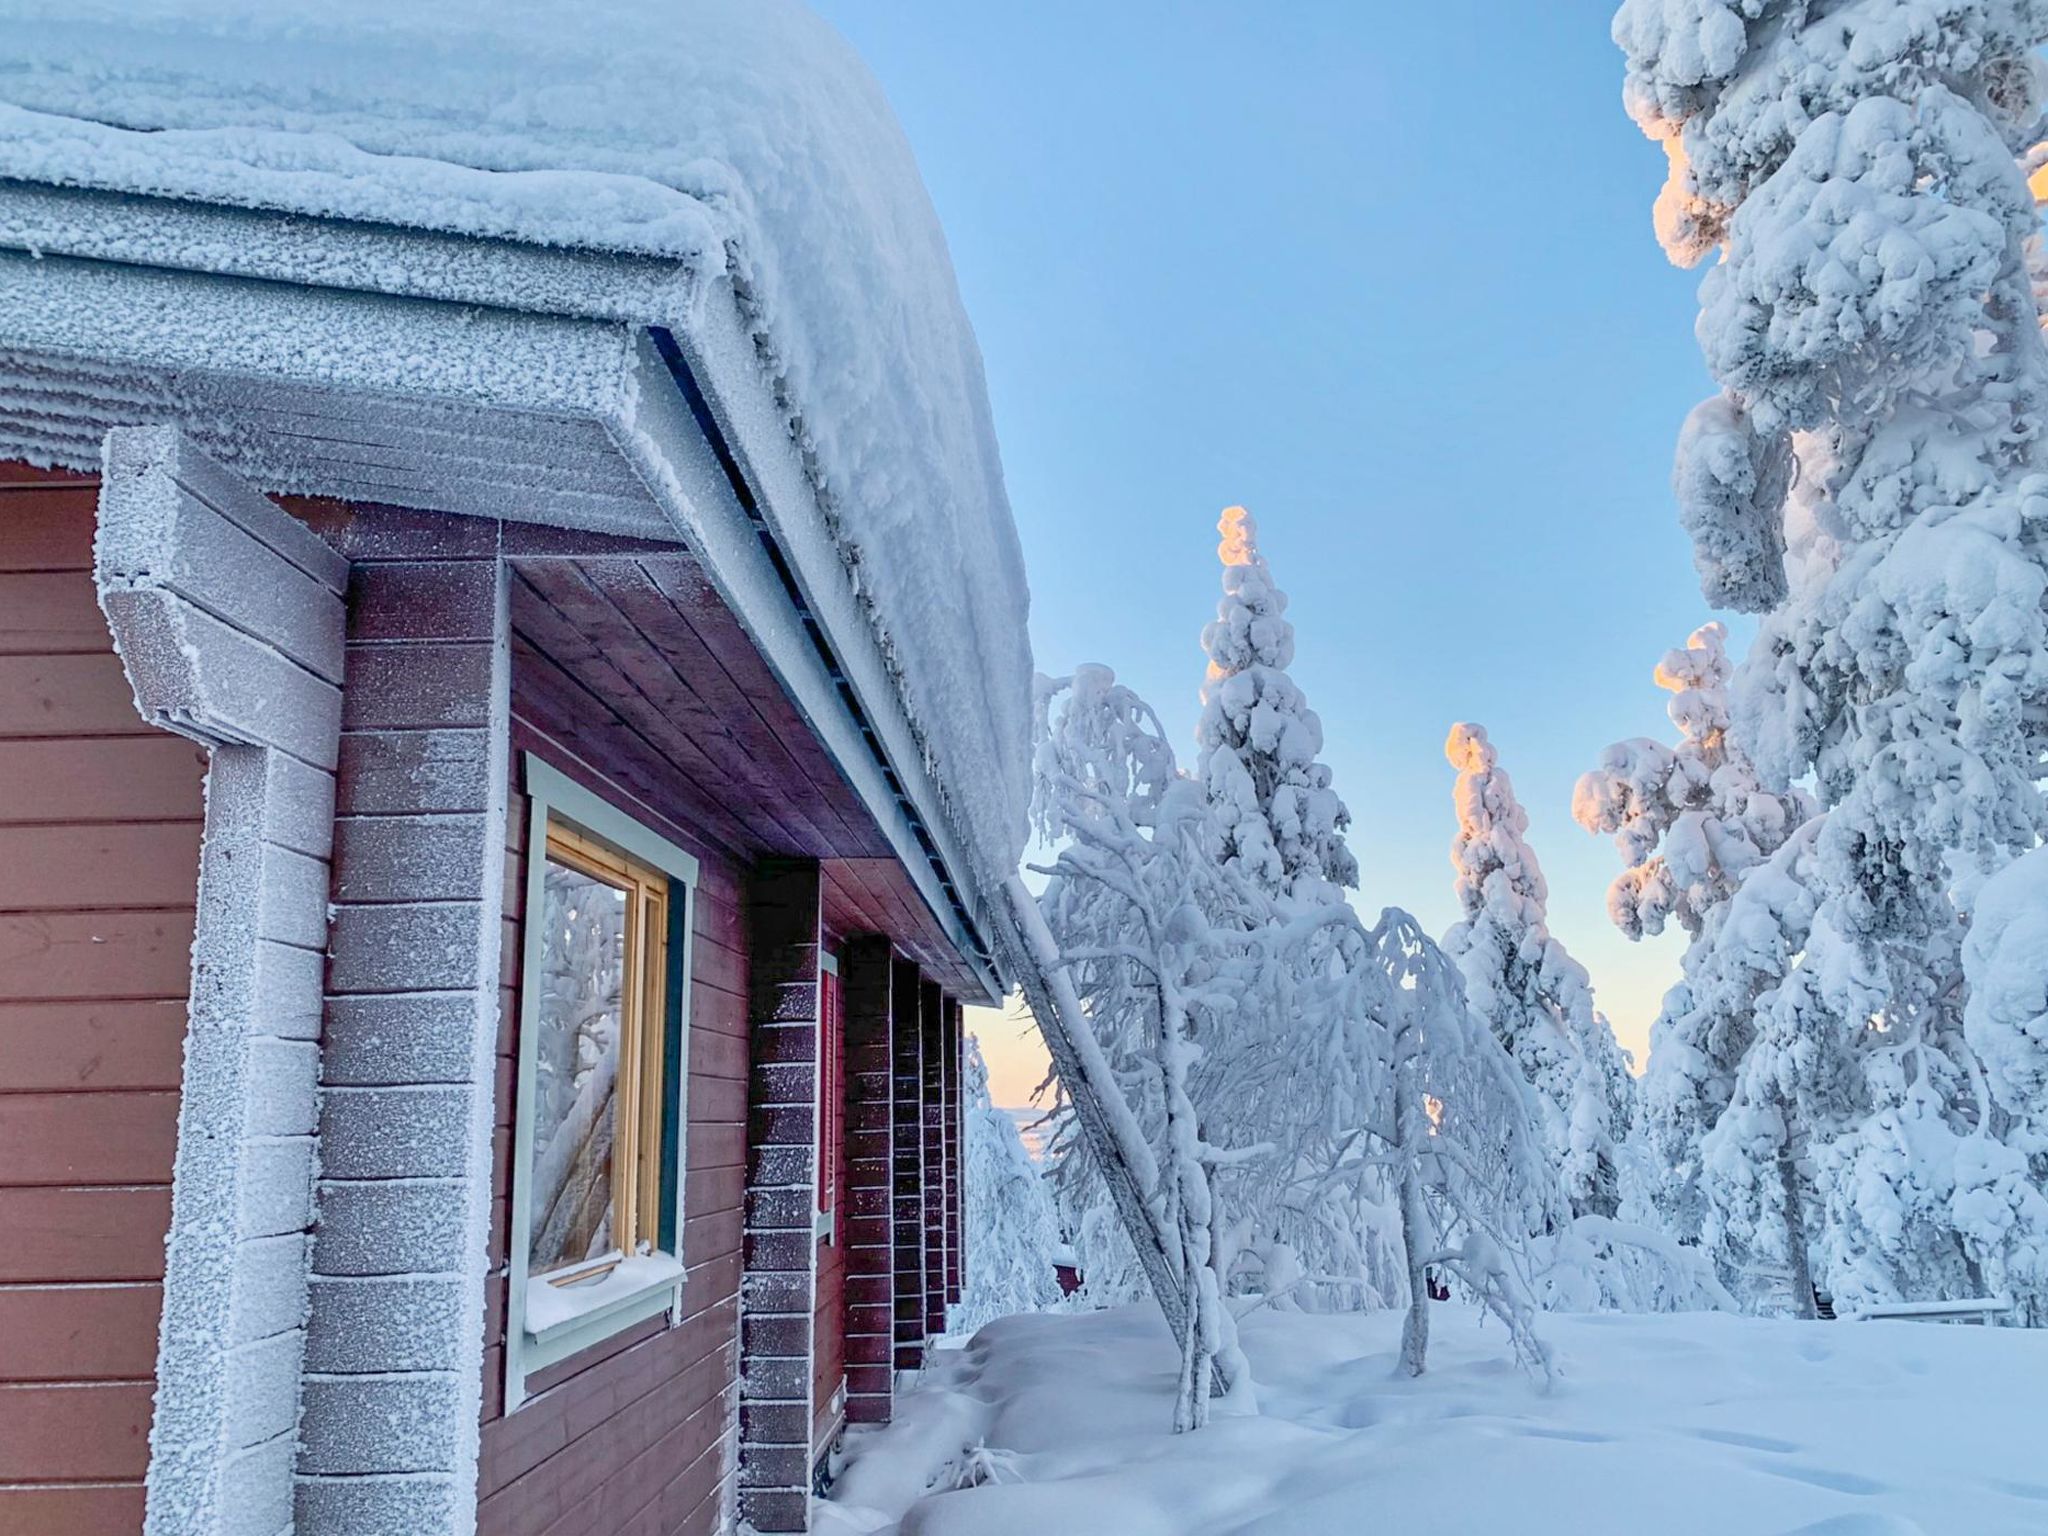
[(689, 406), (710, 440)]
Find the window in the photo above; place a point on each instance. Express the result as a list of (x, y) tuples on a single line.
[(597, 1175)]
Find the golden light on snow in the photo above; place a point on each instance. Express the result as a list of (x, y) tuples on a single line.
[(2038, 184), (1238, 532), (1239, 547)]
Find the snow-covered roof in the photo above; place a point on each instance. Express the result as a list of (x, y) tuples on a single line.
[(727, 137)]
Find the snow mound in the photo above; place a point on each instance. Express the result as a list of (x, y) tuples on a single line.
[(734, 134), (1692, 1424)]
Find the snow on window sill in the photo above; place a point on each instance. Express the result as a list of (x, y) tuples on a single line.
[(561, 1319)]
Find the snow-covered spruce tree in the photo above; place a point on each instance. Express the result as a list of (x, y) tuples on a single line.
[(1535, 998), (1260, 742), (1308, 1230), (1691, 819), (1868, 481), (1012, 1231)]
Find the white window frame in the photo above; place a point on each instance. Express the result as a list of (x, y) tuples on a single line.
[(613, 1308)]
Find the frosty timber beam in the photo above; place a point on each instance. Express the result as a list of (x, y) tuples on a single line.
[(956, 1226), (907, 1200), (869, 971), (932, 1019), (778, 1285), (409, 1072), (228, 617)]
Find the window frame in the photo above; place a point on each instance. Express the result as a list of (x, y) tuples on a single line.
[(600, 834)]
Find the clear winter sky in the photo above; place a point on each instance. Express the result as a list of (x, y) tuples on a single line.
[(1384, 274)]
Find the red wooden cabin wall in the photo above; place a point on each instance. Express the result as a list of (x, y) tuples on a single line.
[(633, 1434), (99, 846)]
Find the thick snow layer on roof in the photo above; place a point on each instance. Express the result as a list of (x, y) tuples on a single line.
[(735, 132)]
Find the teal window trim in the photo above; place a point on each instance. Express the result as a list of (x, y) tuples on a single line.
[(552, 794)]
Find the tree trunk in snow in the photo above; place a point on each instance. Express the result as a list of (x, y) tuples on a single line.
[(1795, 1233), (1414, 1235)]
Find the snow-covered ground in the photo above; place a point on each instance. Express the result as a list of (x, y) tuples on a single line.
[(1696, 1423)]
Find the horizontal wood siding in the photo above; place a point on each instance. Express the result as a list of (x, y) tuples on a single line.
[(99, 843), (634, 1435)]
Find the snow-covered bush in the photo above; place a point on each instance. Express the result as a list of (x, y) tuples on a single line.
[(1012, 1230), (1872, 317)]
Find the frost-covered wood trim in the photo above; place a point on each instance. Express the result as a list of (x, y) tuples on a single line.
[(394, 1369), (315, 390), (956, 1193), (932, 1022), (868, 1223), (338, 253), (228, 617), (778, 1282), (907, 1088)]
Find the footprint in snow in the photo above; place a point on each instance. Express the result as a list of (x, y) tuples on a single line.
[(1822, 1477), (1861, 1525), (2021, 1490), (1747, 1442)]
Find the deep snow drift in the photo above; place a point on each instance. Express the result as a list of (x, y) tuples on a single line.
[(1695, 1424)]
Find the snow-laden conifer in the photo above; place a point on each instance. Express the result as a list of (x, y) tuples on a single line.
[(1535, 998), (1871, 320), (1012, 1230), (1260, 742), (1692, 820), (1213, 1000)]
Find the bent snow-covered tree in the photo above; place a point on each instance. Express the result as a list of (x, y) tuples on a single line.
[(1692, 820), (1536, 999), (1132, 901), (1869, 481)]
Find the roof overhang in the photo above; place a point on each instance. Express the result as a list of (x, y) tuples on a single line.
[(611, 393)]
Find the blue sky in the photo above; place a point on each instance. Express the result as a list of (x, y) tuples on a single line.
[(1385, 275)]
